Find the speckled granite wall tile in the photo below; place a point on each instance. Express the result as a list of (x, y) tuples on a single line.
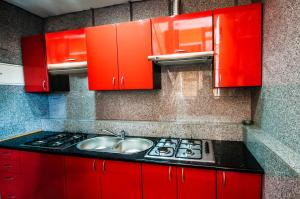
[(112, 14), (216, 131), (15, 23), (150, 9), (188, 6), (70, 21), (186, 95), (84, 126)]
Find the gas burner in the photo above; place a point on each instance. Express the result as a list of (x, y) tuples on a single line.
[(56, 141), (189, 152), (163, 150)]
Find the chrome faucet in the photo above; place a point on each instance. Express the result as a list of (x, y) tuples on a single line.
[(121, 134)]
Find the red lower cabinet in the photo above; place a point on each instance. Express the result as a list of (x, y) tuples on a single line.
[(196, 183), (82, 178), (43, 175), (121, 180), (159, 182), (235, 185)]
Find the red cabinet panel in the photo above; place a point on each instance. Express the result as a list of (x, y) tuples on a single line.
[(121, 180), (102, 57), (234, 185), (237, 45), (159, 182), (196, 183), (82, 178), (134, 47), (34, 62), (66, 46), (182, 33), (12, 186), (43, 175)]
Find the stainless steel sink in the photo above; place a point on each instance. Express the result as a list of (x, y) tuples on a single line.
[(115, 145)]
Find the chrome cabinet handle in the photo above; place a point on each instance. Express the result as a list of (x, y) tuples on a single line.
[(182, 174), (170, 173), (94, 165), (122, 80), (70, 59), (224, 178), (113, 81), (103, 166), (44, 84), (179, 51)]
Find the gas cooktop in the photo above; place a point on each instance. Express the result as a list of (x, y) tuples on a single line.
[(183, 150), (56, 141)]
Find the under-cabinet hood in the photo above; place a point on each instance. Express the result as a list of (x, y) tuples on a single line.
[(182, 58), (68, 68)]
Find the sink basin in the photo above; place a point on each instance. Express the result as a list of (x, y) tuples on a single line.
[(133, 145), (115, 145), (98, 143)]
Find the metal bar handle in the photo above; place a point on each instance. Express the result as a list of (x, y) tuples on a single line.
[(113, 81), (224, 178), (182, 174), (122, 80), (103, 166), (170, 173), (94, 165), (44, 84)]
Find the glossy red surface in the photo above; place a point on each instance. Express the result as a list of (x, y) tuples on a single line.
[(234, 185), (66, 46), (102, 58), (82, 178), (237, 46), (196, 183), (159, 181), (134, 47), (121, 180), (34, 62), (182, 33), (43, 175)]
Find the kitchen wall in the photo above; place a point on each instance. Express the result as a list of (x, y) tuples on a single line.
[(19, 112), (184, 106), (275, 139)]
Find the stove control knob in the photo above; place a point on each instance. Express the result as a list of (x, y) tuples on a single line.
[(206, 147)]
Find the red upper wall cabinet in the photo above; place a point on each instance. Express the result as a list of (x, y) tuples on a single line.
[(117, 56), (66, 46), (102, 57), (182, 33), (134, 47), (34, 62), (237, 46)]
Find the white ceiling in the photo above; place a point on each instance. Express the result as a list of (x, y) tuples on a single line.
[(46, 8)]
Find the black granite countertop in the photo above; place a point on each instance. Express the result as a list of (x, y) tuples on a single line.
[(229, 155)]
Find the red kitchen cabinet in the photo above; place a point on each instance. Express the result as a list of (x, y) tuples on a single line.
[(102, 57), (121, 180), (237, 46), (134, 47), (182, 33), (66, 46), (235, 185), (34, 62), (82, 178), (159, 181), (43, 175), (196, 183)]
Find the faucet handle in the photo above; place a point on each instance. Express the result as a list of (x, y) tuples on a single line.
[(123, 133)]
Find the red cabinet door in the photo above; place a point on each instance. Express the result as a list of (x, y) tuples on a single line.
[(196, 183), (43, 175), (134, 47), (182, 33), (34, 62), (121, 180), (66, 46), (235, 185), (237, 45), (82, 178), (159, 182), (102, 57)]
